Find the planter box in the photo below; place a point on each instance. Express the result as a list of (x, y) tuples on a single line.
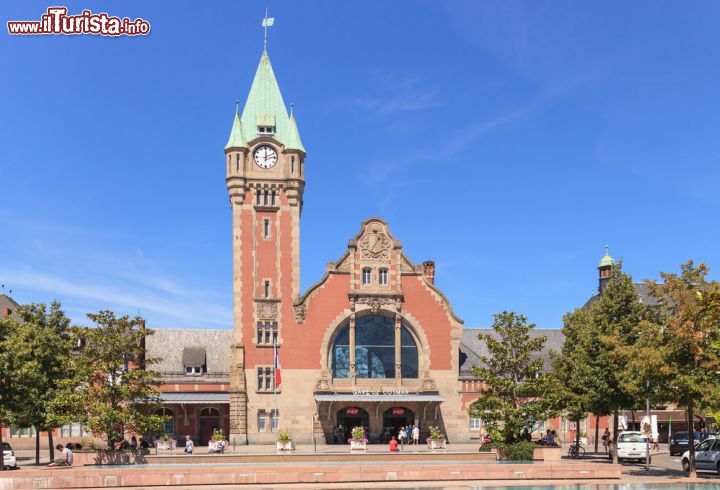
[(437, 443), (358, 445), (547, 453), (285, 446)]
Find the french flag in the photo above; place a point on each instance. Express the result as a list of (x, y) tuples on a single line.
[(278, 377)]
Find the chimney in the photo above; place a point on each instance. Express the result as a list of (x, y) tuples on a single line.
[(429, 271)]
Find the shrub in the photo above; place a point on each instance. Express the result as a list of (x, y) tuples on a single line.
[(358, 435), (517, 451), (284, 437), (436, 434), (218, 435)]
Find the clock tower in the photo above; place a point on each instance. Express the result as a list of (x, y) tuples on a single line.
[(265, 179)]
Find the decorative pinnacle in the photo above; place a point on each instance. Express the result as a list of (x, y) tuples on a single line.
[(292, 107), (606, 249), (237, 106)]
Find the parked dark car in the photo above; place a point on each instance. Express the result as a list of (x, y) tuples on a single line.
[(679, 443)]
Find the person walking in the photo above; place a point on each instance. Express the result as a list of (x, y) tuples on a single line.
[(606, 439), (189, 445), (401, 437), (416, 435)]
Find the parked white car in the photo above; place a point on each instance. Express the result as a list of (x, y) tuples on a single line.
[(630, 445), (9, 460), (707, 456)]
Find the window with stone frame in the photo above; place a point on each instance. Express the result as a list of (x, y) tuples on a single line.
[(475, 423), (267, 333), (261, 420), (274, 420), (383, 276), (265, 379), (366, 276)]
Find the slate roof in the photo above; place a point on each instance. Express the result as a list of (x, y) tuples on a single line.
[(471, 349), (642, 289), (9, 303), (169, 344)]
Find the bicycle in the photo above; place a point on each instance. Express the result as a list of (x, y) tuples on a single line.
[(576, 451)]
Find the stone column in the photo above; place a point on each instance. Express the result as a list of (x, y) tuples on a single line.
[(398, 353), (352, 348), (238, 396)]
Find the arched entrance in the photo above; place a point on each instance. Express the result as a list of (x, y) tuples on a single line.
[(209, 421), (394, 418), (347, 419)]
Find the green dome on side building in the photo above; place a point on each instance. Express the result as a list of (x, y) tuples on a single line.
[(606, 261)]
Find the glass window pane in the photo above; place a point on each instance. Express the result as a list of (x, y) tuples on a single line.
[(340, 354), (408, 354), (375, 347), (261, 420)]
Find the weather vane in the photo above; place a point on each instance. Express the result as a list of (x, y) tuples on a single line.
[(267, 22)]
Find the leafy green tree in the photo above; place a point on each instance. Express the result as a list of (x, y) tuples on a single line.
[(38, 346), (8, 389), (681, 352), (513, 379), (574, 388), (615, 328), (112, 392)]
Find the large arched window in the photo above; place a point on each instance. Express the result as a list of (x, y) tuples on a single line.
[(374, 349)]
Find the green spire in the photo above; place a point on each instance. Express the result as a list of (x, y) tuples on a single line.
[(294, 142), (606, 261), (265, 106), (237, 139)]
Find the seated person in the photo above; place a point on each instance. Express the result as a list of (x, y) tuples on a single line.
[(548, 439), (65, 460), (393, 445)]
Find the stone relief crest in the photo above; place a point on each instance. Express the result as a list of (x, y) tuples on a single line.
[(428, 385), (267, 310), (300, 311), (375, 244), (374, 302), (323, 384)]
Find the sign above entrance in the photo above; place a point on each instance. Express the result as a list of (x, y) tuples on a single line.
[(397, 411), (352, 411), (382, 391)]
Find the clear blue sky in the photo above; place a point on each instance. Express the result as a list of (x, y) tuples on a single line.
[(508, 141)]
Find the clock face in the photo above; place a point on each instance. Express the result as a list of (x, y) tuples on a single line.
[(265, 156)]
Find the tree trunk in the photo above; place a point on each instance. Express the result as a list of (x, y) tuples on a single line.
[(597, 431), (577, 436), (615, 437), (50, 446), (691, 440), (2, 466), (37, 446)]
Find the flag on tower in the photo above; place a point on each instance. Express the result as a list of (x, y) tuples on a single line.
[(278, 377)]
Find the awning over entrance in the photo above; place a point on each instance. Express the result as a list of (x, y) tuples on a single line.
[(195, 398), (349, 397)]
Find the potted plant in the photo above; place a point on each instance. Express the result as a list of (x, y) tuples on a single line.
[(437, 438), (284, 441), (358, 441)]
